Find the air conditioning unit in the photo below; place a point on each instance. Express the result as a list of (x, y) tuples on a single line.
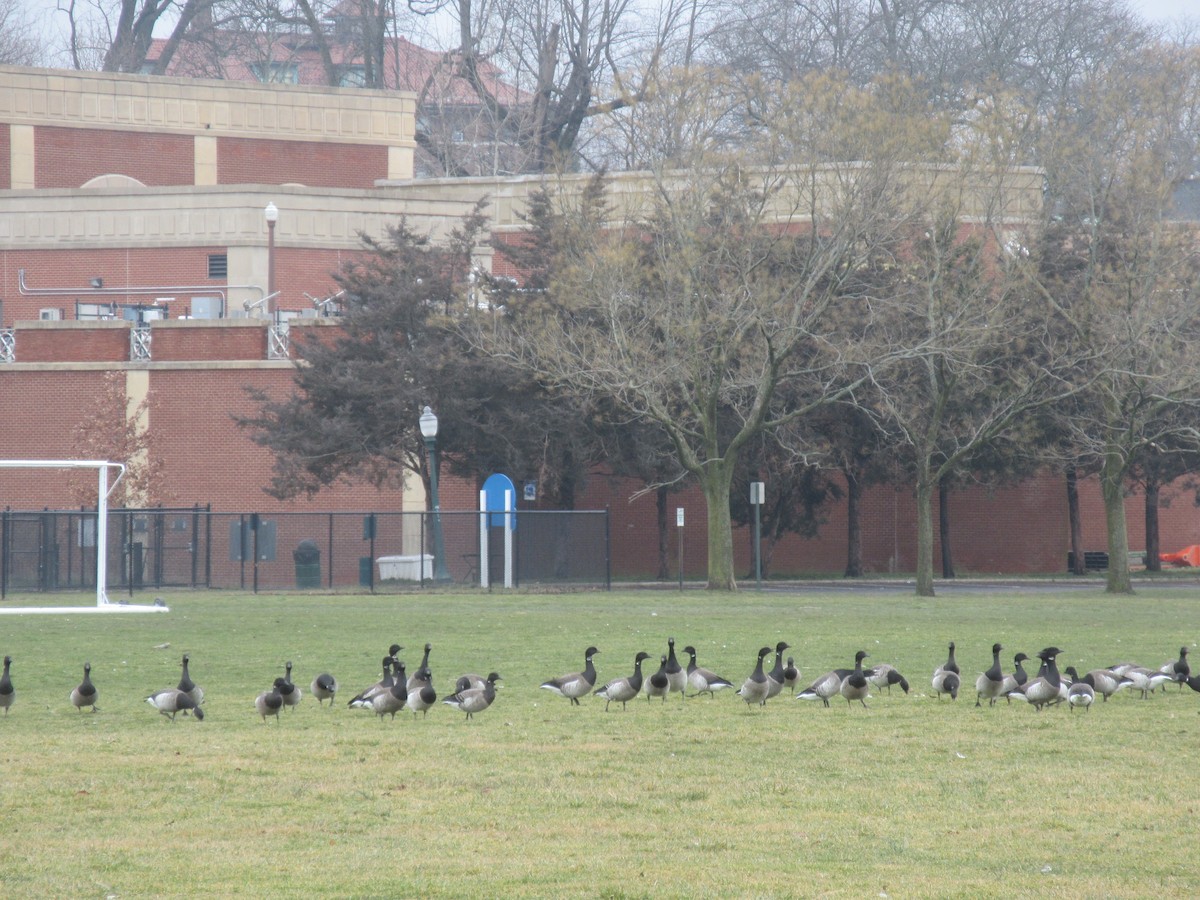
[(49, 314)]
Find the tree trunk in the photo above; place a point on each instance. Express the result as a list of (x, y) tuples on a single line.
[(854, 567), (924, 535), (944, 527), (716, 481), (664, 535), (1112, 484), (1153, 549), (1078, 563)]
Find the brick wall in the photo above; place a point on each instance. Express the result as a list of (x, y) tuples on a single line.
[(38, 410), (253, 161), (210, 460), (70, 157), (103, 342), (73, 272), (203, 340)]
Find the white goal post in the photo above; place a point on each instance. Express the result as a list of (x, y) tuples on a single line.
[(102, 494)]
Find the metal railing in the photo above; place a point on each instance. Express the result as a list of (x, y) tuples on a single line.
[(8, 345), (194, 547)]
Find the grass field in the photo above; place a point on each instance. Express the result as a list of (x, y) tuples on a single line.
[(536, 798)]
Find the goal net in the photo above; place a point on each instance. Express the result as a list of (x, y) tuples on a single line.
[(103, 491)]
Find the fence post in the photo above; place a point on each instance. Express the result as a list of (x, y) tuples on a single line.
[(4, 554), (607, 549), (331, 550), (208, 545)]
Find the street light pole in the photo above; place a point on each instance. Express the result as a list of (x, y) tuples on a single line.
[(429, 430), (271, 213)]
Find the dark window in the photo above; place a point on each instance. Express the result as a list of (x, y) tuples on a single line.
[(218, 265)]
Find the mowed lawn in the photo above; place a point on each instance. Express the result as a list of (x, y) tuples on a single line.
[(911, 797)]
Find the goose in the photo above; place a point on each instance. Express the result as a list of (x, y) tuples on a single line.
[(756, 686), (7, 693), (946, 682), (363, 697), (990, 684), (701, 680), (1104, 682), (393, 699), (324, 687), (170, 701), (623, 690), (1016, 678), (1178, 669), (268, 703), (791, 675), (677, 678), (476, 700), (577, 684), (421, 695), (1145, 680), (1081, 691), (658, 685), (855, 685), (469, 682), (422, 667), (823, 688), (291, 693), (1044, 689), (85, 693), (775, 676), (187, 686), (885, 675), (949, 665)]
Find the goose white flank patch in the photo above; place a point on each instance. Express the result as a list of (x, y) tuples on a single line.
[(701, 680), (576, 684), (622, 690)]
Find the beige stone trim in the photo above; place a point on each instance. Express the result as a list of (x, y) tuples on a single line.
[(21, 156), (204, 153), (71, 99)]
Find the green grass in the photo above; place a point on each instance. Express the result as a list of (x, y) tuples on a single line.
[(535, 798)]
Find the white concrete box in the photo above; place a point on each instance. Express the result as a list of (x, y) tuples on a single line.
[(405, 568)]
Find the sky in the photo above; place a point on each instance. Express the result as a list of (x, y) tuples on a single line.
[(1159, 11)]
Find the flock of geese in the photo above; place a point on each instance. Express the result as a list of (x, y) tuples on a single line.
[(397, 690), (1048, 687)]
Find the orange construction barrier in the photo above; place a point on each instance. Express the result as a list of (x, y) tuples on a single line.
[(1188, 556)]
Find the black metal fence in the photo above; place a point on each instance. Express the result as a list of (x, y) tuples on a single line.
[(152, 549)]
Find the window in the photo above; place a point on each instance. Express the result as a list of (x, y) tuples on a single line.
[(353, 76), (218, 265), (276, 73)]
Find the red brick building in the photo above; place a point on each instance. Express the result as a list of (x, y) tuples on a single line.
[(133, 239)]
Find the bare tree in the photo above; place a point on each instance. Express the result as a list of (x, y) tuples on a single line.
[(118, 431), (566, 60), (20, 42), (691, 312)]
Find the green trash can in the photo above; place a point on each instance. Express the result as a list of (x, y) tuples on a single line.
[(307, 557)]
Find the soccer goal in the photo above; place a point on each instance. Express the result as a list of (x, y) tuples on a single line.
[(103, 491)]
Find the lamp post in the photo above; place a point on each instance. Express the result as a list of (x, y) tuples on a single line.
[(271, 214), (429, 429)]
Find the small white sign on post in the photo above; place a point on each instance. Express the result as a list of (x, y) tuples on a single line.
[(679, 516), (757, 493)]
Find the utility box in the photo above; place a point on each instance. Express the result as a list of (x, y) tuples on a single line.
[(307, 557)]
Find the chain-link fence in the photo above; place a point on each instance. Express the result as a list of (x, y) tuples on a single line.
[(151, 549)]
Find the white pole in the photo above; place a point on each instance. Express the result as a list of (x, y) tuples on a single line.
[(508, 542), (483, 540), (102, 536)]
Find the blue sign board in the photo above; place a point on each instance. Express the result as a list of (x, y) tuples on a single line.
[(493, 499)]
